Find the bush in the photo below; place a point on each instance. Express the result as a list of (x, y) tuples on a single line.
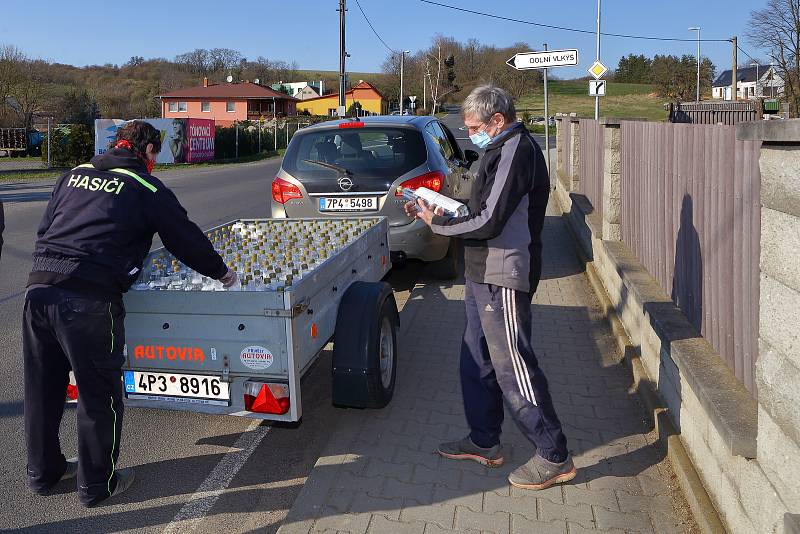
[(225, 143), (70, 145)]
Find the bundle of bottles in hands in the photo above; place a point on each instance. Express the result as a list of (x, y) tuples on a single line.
[(267, 255)]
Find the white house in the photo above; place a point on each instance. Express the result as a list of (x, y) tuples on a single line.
[(301, 90), (751, 82)]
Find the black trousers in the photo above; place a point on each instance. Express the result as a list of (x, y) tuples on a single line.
[(62, 331)]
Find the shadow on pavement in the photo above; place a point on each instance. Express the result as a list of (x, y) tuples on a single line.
[(384, 461)]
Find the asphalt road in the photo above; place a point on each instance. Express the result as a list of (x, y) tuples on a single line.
[(181, 459)]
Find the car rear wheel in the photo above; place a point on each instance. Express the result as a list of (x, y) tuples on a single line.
[(447, 267)]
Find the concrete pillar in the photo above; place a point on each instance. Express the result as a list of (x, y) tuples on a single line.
[(559, 143), (778, 366), (612, 179), (575, 154)]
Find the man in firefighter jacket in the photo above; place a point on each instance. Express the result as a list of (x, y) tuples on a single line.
[(96, 231)]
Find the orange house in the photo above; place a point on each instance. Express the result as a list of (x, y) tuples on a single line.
[(364, 93), (227, 103)]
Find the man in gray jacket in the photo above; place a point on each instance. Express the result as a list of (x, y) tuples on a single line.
[(502, 256)]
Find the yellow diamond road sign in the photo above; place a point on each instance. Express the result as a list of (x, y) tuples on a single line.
[(597, 70)]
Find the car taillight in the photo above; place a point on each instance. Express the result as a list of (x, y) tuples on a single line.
[(266, 398), (283, 191), (72, 392), (432, 180)]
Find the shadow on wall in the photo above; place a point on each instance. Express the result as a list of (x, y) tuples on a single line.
[(687, 279)]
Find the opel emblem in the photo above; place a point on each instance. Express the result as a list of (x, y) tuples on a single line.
[(345, 183)]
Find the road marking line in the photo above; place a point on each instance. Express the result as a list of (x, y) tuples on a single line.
[(11, 297), (203, 499)]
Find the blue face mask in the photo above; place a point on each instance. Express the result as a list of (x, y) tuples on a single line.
[(480, 139)]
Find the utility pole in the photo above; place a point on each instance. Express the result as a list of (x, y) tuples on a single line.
[(755, 64), (697, 29), (547, 122), (342, 54), (597, 57), (733, 70), (402, 60)]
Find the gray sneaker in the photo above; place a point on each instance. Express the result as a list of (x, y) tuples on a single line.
[(538, 473), (465, 449), (72, 469)]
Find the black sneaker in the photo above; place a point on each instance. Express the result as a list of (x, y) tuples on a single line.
[(125, 478), (538, 473), (465, 449)]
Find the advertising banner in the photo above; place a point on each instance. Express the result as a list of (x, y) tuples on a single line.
[(182, 140), (201, 135)]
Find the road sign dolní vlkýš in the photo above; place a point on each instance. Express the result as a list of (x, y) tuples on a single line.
[(543, 60)]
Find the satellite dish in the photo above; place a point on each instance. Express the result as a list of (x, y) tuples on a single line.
[(256, 81), (229, 78)]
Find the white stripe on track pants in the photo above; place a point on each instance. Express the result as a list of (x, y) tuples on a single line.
[(497, 364)]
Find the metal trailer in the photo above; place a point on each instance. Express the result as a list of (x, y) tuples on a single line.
[(224, 344)]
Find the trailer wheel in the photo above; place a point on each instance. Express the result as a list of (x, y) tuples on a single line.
[(365, 346)]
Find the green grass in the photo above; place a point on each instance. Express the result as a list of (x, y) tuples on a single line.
[(623, 100), (27, 176)]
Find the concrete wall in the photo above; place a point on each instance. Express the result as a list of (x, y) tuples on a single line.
[(778, 366), (745, 461)]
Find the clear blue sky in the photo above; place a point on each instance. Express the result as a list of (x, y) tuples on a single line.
[(101, 32)]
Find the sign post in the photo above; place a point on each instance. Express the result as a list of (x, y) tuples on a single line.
[(546, 120), (545, 60)]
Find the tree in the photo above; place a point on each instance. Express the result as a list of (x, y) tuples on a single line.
[(221, 59), (11, 59), (776, 30), (134, 61), (197, 61), (676, 77), (29, 90), (78, 107), (634, 69)]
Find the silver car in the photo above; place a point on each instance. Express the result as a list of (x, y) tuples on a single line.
[(342, 167)]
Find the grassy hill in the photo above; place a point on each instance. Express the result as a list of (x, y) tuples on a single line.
[(621, 100)]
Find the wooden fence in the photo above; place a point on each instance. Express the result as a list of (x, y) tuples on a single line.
[(691, 214), (591, 163)]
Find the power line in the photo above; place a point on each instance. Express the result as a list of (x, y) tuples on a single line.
[(745, 53), (373, 29), (576, 30)]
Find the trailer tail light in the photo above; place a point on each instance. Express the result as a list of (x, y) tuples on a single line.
[(432, 180), (72, 392), (283, 191), (266, 398)]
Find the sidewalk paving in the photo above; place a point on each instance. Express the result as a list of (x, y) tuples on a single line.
[(379, 472)]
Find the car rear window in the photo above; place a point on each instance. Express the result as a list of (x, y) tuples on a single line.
[(378, 152)]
